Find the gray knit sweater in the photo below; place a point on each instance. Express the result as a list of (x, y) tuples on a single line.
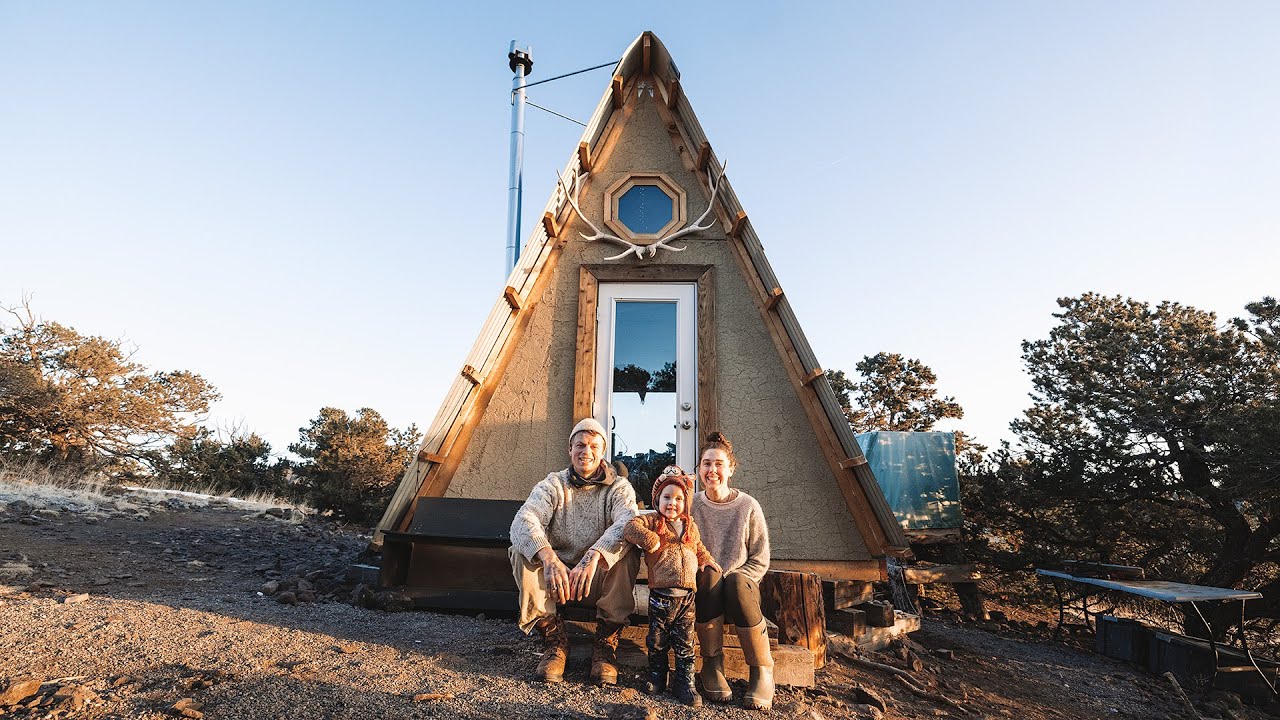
[(572, 520), (735, 533)]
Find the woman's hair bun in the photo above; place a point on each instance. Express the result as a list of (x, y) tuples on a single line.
[(719, 438)]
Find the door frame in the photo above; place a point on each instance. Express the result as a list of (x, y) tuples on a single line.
[(584, 377), (683, 295)]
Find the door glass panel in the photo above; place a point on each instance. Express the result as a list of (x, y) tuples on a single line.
[(644, 390)]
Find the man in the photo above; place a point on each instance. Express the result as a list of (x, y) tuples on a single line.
[(566, 545)]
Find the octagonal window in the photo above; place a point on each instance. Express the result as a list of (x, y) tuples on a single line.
[(645, 209)]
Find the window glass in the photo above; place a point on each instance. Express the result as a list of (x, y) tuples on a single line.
[(644, 407), (645, 209)]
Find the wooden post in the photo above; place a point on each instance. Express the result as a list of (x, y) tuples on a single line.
[(793, 600)]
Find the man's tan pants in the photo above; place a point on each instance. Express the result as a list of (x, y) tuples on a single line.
[(611, 590)]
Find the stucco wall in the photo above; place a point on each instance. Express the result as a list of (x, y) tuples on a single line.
[(523, 434)]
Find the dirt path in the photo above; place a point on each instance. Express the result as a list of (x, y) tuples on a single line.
[(173, 612)]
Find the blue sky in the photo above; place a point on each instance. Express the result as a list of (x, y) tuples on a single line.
[(305, 202)]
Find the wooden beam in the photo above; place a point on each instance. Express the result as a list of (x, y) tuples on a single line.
[(940, 574), (646, 56), (863, 570), (513, 297), (673, 94), (618, 98), (424, 456), (704, 155), (853, 462), (740, 222), (549, 224), (472, 374), (708, 368), (775, 297), (584, 373), (934, 536), (584, 157), (814, 374)]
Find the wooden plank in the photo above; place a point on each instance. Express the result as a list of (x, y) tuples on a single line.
[(775, 297), (472, 374), (708, 365), (618, 97), (673, 93), (792, 665), (584, 157), (428, 457), (933, 536), (853, 462), (704, 154), (549, 225), (842, 594), (855, 570), (513, 297), (739, 223), (648, 273), (584, 372), (812, 375), (794, 601), (940, 574)]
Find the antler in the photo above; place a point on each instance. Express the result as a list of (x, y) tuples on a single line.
[(639, 250), (696, 225), (599, 234)]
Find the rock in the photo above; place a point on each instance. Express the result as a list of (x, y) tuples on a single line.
[(280, 512), (866, 696), (73, 697), (423, 697), (270, 587), (29, 520), (101, 581), (72, 599), (123, 680), (996, 616), (944, 653), (346, 648), (629, 694), (306, 596), (394, 601), (306, 586), (866, 712), (287, 598), (19, 689)]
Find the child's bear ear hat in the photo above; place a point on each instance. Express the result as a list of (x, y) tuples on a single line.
[(673, 475)]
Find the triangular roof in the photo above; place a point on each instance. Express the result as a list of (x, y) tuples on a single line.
[(429, 472)]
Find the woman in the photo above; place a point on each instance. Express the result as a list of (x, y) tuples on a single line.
[(734, 531)]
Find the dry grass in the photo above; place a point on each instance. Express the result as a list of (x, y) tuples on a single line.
[(44, 488)]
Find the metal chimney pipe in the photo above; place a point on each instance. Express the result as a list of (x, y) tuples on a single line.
[(521, 63)]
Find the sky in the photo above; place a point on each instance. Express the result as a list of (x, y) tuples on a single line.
[(305, 202)]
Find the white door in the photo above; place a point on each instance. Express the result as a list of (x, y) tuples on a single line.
[(647, 376)]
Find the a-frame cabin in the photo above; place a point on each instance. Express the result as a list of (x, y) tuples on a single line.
[(660, 344)]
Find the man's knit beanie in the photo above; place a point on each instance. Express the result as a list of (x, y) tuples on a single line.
[(589, 425)]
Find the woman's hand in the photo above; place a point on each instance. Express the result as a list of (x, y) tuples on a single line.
[(711, 565)]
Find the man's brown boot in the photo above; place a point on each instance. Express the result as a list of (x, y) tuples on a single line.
[(555, 649), (605, 654)]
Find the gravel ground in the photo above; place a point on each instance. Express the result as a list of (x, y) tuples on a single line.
[(152, 608)]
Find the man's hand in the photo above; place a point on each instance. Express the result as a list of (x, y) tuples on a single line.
[(557, 575), (582, 574)]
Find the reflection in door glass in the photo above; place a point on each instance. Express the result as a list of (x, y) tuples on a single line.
[(644, 390)]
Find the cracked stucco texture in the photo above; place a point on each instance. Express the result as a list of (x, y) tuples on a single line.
[(524, 432)]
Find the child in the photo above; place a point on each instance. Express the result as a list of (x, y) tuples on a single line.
[(673, 553)]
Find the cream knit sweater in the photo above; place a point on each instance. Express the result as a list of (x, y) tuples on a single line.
[(572, 520), (735, 533)]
